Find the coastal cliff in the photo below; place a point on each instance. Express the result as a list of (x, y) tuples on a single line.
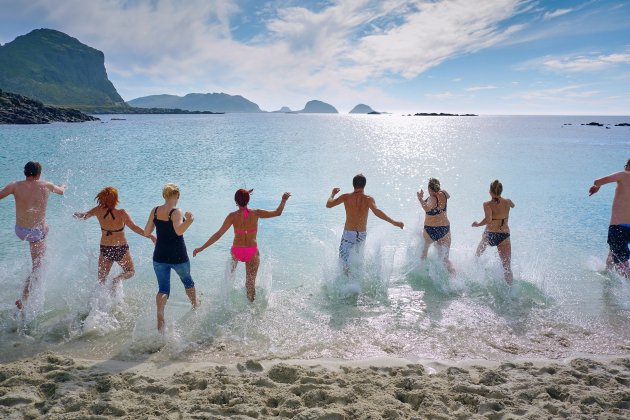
[(18, 109)]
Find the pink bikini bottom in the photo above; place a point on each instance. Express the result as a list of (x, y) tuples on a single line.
[(244, 253)]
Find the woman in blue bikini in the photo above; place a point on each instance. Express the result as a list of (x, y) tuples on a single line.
[(437, 228), (497, 233)]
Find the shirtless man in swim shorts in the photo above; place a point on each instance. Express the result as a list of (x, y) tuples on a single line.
[(357, 204), (31, 199), (619, 229)]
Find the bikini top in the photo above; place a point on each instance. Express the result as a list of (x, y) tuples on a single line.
[(436, 210), (244, 231), (496, 200), (109, 232)]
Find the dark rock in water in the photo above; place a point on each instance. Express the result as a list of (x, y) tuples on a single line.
[(442, 114), (567, 124), (362, 109), (318, 107), (118, 119), (594, 124), (374, 113), (18, 109), (622, 125)]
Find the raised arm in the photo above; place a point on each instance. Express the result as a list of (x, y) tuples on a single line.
[(216, 236), (381, 214), (57, 189), (137, 229), (423, 202), (511, 203), (6, 191), (86, 215), (487, 218), (332, 201), (179, 225), (603, 181), (266, 214)]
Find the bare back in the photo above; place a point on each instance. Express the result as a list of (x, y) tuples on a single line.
[(112, 221), (500, 214), (357, 206), (31, 200), (620, 213), (244, 229)]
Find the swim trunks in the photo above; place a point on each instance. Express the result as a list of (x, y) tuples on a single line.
[(349, 240), (618, 239), (495, 238), (437, 232), (114, 253), (30, 235)]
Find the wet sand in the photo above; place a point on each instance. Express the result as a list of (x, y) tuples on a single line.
[(56, 386)]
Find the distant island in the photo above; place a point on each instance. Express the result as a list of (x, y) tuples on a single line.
[(213, 102), (441, 114), (18, 109), (318, 107), (362, 109), (283, 110)]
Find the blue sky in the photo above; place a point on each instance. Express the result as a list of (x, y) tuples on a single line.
[(489, 57)]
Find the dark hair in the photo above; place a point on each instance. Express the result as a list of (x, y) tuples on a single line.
[(242, 197), (359, 181), (32, 168), (496, 187), (628, 163), (434, 184)]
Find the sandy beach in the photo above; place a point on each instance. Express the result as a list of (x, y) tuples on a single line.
[(53, 386)]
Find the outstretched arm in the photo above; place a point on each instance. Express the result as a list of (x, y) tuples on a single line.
[(487, 216), (216, 236), (148, 228), (57, 189), (381, 214), (603, 181), (6, 191), (423, 202), (332, 201), (266, 214), (85, 215), (179, 225), (137, 229)]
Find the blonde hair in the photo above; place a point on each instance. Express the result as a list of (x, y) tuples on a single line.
[(170, 190), (496, 187), (107, 198), (434, 184)]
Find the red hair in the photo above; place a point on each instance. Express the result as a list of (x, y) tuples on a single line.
[(242, 197), (107, 198)]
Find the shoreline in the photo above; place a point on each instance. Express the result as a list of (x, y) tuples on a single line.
[(58, 386)]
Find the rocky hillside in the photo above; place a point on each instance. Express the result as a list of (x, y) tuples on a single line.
[(18, 109), (215, 102), (56, 69)]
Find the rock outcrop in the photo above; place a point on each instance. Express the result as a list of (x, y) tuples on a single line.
[(283, 110), (18, 109), (362, 109), (318, 107)]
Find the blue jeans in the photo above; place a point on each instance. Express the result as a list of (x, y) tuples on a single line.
[(163, 273)]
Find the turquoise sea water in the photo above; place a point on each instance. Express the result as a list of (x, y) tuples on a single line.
[(559, 306)]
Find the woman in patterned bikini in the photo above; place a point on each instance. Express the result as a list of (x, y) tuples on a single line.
[(114, 247), (497, 233), (437, 228), (244, 247)]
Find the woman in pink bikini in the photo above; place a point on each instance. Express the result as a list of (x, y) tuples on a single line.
[(244, 247)]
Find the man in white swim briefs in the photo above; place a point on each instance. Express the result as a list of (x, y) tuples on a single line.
[(31, 199), (357, 204), (619, 227)]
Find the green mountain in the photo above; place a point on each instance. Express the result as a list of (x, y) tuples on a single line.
[(215, 102), (57, 69)]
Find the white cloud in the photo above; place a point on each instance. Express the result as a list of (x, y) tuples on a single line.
[(439, 95), (558, 12), (582, 63), (570, 92), (476, 88)]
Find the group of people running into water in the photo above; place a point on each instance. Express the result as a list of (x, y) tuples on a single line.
[(170, 223)]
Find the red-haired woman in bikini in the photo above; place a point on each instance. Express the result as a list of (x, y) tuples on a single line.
[(244, 247), (114, 247)]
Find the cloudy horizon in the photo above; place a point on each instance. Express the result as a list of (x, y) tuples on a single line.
[(494, 57)]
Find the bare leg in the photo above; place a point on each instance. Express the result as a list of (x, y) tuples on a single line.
[(192, 295), (609, 261), (482, 246), (251, 270), (38, 249), (505, 254), (427, 243), (445, 248), (128, 271), (623, 269), (104, 267), (160, 301)]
